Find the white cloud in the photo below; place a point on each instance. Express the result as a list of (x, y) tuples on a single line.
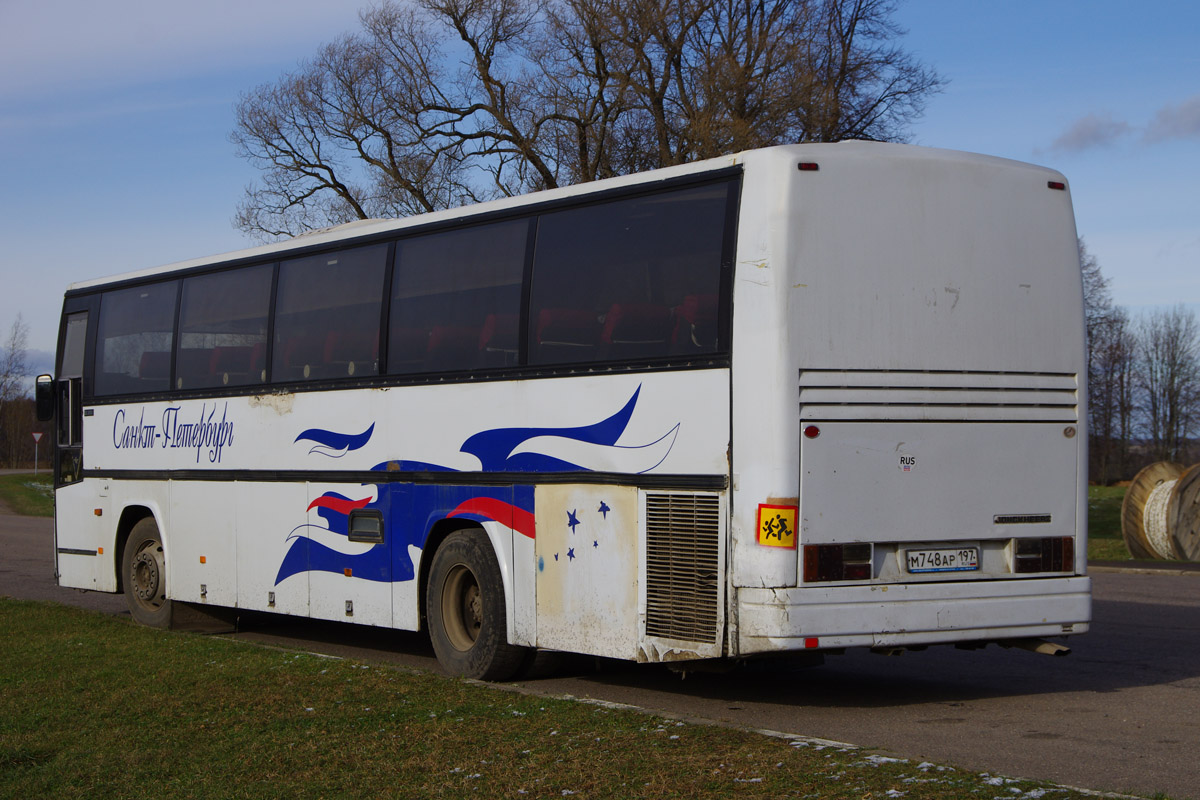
[(1176, 122), (1094, 130)]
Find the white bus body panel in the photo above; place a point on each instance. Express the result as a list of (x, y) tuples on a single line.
[(587, 594), (918, 303), (232, 542), (856, 487), (79, 534), (678, 424)]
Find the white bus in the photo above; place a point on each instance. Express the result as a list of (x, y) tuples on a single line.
[(801, 398)]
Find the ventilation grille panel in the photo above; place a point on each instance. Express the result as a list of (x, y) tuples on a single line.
[(908, 396), (683, 566)]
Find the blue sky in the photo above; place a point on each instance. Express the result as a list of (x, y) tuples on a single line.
[(114, 123)]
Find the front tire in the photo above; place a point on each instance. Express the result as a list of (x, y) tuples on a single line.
[(464, 605), (144, 575)]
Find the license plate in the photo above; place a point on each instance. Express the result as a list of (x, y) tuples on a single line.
[(947, 559)]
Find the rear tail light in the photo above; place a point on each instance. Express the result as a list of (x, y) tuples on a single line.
[(837, 562), (1052, 554)]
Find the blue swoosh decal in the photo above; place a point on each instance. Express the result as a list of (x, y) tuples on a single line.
[(333, 444), (494, 448)]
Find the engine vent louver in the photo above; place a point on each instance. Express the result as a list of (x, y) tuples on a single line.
[(909, 396), (683, 566)]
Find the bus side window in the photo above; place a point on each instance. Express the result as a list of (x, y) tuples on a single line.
[(222, 320), (456, 299), (135, 337), (327, 312), (628, 279)]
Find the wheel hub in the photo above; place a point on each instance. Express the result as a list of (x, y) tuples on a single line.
[(146, 577), (462, 608)]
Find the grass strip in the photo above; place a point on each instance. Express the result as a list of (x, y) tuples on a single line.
[(94, 706), (28, 494), (1104, 524)]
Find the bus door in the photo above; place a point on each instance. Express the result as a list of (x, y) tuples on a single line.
[(69, 393), (82, 515)]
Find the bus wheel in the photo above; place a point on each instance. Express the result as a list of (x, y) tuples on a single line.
[(464, 604), (144, 575)]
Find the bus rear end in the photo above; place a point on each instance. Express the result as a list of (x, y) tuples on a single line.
[(918, 327)]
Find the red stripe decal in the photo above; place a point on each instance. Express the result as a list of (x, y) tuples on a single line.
[(518, 519), (338, 504)]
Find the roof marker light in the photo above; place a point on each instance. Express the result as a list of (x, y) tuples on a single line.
[(1057, 185), (808, 166), (812, 432)]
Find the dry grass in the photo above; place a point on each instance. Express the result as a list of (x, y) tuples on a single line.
[(28, 494), (93, 706)]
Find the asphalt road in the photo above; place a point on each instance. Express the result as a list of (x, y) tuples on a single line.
[(1121, 713)]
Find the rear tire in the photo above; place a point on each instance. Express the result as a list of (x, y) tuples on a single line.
[(144, 575), (464, 604)]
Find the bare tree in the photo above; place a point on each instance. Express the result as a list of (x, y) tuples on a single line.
[(15, 420), (12, 362), (1112, 350), (1169, 380), (439, 102), (1105, 330)]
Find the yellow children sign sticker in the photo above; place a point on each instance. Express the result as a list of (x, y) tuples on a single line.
[(777, 525)]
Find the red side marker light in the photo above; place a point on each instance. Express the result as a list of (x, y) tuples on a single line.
[(812, 432), (808, 166), (1057, 185), (812, 642)]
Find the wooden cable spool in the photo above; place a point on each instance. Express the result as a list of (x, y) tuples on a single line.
[(1133, 508), (1183, 514)]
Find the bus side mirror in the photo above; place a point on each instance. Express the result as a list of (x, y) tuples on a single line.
[(44, 394)]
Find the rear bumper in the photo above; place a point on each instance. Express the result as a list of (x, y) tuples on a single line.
[(892, 615)]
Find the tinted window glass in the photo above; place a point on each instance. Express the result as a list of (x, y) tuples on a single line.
[(456, 299), (327, 315), (633, 278), (133, 346), (223, 329), (73, 346)]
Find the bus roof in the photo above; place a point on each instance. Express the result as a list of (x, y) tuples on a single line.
[(374, 228)]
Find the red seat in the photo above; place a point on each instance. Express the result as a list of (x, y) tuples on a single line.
[(406, 349), (499, 333), (636, 323), (155, 365), (234, 360), (352, 347), (452, 347), (696, 323), (258, 359), (571, 327), (302, 350), (191, 366)]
